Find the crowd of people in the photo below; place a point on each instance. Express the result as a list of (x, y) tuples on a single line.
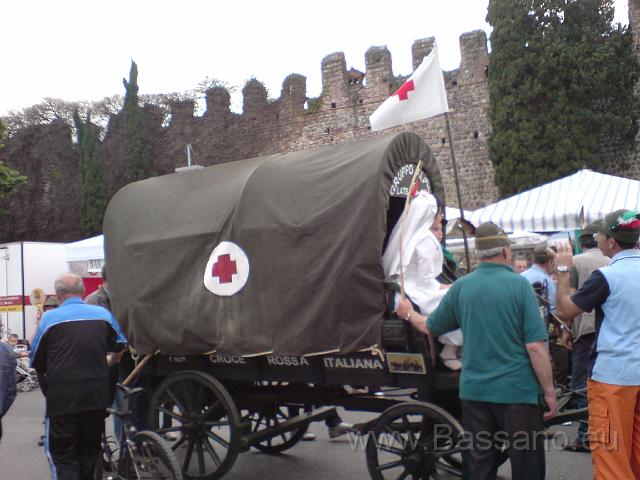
[(523, 325)]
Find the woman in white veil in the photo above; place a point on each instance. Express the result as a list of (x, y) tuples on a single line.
[(421, 264)]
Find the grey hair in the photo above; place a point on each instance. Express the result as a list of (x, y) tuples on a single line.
[(489, 252), (69, 284)]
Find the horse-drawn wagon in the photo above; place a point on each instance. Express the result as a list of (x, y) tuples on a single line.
[(260, 286)]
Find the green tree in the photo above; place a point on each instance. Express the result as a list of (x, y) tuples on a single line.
[(561, 84), (95, 194), (136, 144), (9, 178)]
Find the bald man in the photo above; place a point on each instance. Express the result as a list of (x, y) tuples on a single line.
[(69, 352)]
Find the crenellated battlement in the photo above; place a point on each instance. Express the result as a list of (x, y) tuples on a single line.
[(340, 87), (341, 113)]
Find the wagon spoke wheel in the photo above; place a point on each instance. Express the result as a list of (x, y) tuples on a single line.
[(270, 416), (197, 416), (414, 441)]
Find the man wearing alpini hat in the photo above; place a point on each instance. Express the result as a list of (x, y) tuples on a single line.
[(505, 362), (614, 383)]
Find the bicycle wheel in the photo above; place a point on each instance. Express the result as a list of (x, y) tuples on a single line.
[(151, 459)]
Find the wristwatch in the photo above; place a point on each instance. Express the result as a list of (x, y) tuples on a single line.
[(562, 268)]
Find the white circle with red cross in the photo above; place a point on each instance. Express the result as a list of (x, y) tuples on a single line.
[(227, 270)]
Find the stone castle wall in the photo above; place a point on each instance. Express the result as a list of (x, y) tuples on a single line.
[(633, 167), (340, 114)]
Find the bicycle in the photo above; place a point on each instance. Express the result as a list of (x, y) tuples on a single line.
[(142, 455)]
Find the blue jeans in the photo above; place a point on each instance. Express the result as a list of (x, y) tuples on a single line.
[(580, 362), (117, 421)]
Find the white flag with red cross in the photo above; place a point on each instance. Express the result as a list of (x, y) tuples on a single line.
[(422, 96)]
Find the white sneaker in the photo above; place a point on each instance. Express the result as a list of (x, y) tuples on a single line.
[(340, 429)]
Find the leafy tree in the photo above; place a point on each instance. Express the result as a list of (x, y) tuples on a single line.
[(9, 178), (209, 82), (95, 194), (51, 109), (136, 144), (561, 85)]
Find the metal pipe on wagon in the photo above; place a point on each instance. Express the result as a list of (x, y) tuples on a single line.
[(457, 183)]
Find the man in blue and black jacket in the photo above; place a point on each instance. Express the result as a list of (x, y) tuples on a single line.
[(69, 352)]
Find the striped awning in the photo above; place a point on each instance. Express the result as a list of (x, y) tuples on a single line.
[(556, 205)]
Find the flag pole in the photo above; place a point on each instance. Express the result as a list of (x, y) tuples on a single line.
[(457, 182)]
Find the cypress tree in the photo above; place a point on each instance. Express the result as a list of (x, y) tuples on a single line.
[(136, 144), (95, 194)]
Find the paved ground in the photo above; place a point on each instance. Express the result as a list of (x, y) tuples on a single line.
[(321, 459)]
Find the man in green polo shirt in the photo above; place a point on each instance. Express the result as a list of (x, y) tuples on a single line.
[(505, 361)]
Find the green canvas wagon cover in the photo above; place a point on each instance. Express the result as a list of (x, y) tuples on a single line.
[(280, 253)]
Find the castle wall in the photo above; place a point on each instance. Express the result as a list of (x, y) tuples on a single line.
[(340, 114), (633, 169)]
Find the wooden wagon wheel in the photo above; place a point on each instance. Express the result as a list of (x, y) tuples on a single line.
[(416, 441), (196, 414), (270, 416)]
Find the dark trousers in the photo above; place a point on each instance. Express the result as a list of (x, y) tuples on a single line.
[(518, 425), (73, 442), (580, 361), (559, 364)]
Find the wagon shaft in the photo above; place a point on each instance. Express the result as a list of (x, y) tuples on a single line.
[(289, 425)]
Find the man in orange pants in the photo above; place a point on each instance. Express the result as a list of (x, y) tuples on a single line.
[(614, 384)]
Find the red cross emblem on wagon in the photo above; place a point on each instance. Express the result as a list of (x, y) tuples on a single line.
[(227, 270)]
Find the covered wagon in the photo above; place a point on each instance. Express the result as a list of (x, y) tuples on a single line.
[(259, 286)]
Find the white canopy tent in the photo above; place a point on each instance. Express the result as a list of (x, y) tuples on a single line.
[(556, 205), (86, 257)]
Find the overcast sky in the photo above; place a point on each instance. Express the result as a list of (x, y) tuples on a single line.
[(81, 49)]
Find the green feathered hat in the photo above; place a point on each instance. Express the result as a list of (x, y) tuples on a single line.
[(623, 225)]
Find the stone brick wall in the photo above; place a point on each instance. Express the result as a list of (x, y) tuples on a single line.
[(340, 114), (634, 24)]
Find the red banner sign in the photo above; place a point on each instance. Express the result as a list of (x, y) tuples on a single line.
[(12, 303)]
